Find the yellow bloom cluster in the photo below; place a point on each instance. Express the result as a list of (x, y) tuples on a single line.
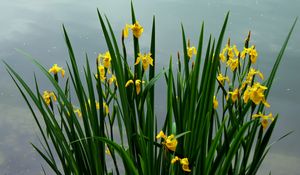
[(47, 96), (146, 60), (169, 142), (136, 28), (265, 119), (256, 94), (252, 53), (56, 69), (232, 52), (137, 85), (184, 162)]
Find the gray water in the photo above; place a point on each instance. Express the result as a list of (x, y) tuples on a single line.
[(35, 27)]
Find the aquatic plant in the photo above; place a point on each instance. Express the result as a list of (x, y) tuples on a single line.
[(216, 120)]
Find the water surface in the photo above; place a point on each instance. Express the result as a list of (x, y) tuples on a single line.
[(35, 26)]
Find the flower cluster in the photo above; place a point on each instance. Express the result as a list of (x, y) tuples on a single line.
[(137, 83), (136, 28), (48, 96), (248, 89), (252, 53), (256, 94), (184, 163), (170, 142)]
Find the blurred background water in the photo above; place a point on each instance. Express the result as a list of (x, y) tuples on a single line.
[(35, 27)]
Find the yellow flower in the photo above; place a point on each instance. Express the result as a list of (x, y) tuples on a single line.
[(106, 59), (137, 85), (146, 60), (253, 72), (191, 51), (236, 51), (128, 83), (175, 159), (265, 119), (137, 29), (222, 54), (161, 134), (222, 57), (101, 69), (244, 52), (47, 97), (106, 108), (231, 52), (215, 102), (125, 30), (185, 164), (56, 69), (233, 63), (170, 142), (221, 79), (253, 54), (113, 79), (256, 94), (78, 112), (234, 95)]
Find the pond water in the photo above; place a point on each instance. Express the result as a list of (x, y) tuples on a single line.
[(35, 27)]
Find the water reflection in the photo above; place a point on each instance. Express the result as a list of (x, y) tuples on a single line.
[(35, 26)]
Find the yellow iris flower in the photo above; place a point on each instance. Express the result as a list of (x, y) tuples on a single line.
[(146, 60), (184, 162), (113, 79), (137, 85), (265, 119), (56, 69), (232, 52), (47, 95), (101, 69), (253, 72), (136, 28), (191, 51), (169, 141), (233, 63), (234, 95), (106, 59), (252, 53), (256, 94), (222, 78)]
